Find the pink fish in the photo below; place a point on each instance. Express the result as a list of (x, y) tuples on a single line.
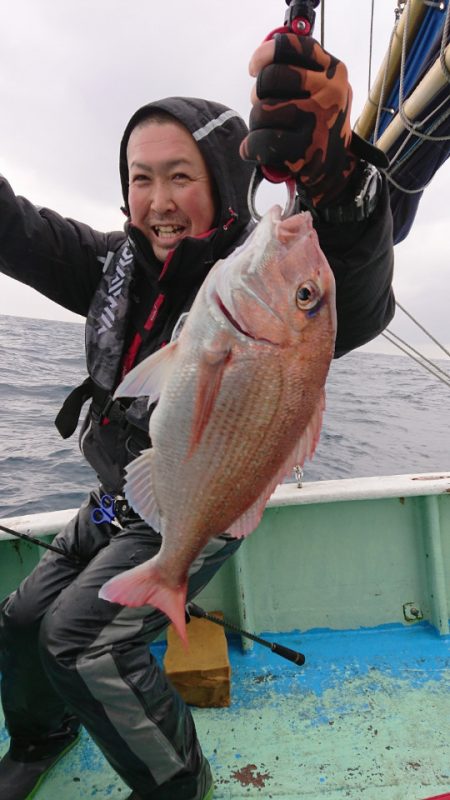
[(240, 399)]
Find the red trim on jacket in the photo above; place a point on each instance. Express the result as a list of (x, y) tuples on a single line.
[(130, 356)]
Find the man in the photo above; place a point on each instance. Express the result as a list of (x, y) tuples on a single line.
[(69, 658)]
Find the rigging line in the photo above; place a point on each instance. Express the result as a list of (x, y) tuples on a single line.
[(444, 67), (418, 361), (322, 24), (414, 127), (381, 99), (406, 122), (426, 136), (403, 188), (417, 352), (418, 140), (372, 14), (396, 162), (430, 336)]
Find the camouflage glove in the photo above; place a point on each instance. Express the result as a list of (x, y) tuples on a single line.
[(300, 121)]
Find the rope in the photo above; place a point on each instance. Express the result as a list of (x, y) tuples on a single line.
[(322, 24), (422, 361), (444, 67), (395, 161), (369, 80), (420, 137), (413, 319), (414, 127), (403, 188), (381, 107)]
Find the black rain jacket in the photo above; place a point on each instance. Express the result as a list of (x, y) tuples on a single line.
[(106, 277)]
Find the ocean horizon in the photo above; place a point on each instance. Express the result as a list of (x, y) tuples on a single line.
[(385, 415)]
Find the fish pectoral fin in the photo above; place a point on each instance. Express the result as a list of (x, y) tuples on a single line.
[(148, 377), (139, 489), (145, 585), (211, 371), (303, 449)]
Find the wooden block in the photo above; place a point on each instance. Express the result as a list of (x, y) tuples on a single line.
[(202, 673)]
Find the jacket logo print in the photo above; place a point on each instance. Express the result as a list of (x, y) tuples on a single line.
[(114, 291)]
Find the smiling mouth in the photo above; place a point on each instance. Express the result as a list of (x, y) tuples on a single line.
[(167, 231)]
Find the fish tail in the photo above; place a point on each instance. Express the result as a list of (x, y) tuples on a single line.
[(145, 585)]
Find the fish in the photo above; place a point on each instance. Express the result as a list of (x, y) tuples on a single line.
[(240, 396)]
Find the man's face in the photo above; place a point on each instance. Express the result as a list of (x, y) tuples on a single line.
[(170, 194)]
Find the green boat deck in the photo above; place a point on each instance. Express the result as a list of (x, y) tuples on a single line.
[(367, 716), (361, 570)]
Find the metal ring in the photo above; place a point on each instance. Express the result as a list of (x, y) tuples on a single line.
[(255, 181)]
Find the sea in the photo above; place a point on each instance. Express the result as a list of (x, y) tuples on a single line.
[(385, 415)]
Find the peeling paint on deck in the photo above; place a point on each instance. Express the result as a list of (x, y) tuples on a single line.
[(366, 718)]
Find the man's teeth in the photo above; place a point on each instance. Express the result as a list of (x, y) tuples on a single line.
[(167, 230)]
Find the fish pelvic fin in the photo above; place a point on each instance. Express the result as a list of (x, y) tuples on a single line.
[(149, 377), (139, 489), (211, 372), (145, 585), (303, 449)]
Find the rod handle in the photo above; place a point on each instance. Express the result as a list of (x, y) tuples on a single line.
[(286, 652)]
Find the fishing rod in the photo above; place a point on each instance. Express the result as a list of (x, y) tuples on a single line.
[(27, 537), (299, 19), (192, 609), (300, 16), (280, 650)]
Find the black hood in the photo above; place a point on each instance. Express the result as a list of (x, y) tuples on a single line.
[(218, 131)]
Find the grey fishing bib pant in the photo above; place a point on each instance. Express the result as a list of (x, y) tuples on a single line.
[(66, 653)]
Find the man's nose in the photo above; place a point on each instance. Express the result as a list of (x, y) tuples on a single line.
[(161, 199)]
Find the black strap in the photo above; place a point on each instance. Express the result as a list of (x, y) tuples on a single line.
[(67, 418), (69, 414)]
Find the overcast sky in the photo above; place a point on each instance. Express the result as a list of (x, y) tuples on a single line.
[(72, 73)]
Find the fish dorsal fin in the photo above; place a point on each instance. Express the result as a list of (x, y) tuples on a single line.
[(148, 377), (211, 370), (303, 449), (139, 489)]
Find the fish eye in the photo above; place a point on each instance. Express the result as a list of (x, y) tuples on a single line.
[(308, 296)]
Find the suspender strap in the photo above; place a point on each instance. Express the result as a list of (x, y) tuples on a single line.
[(69, 414)]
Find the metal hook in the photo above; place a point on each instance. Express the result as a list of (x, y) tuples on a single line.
[(298, 474), (255, 181)]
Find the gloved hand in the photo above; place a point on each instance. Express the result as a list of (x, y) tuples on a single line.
[(300, 120)]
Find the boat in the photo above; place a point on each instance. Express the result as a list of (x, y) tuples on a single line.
[(355, 575)]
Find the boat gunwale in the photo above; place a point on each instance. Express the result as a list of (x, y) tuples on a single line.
[(49, 523)]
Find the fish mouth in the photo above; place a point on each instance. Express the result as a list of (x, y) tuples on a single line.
[(235, 324)]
